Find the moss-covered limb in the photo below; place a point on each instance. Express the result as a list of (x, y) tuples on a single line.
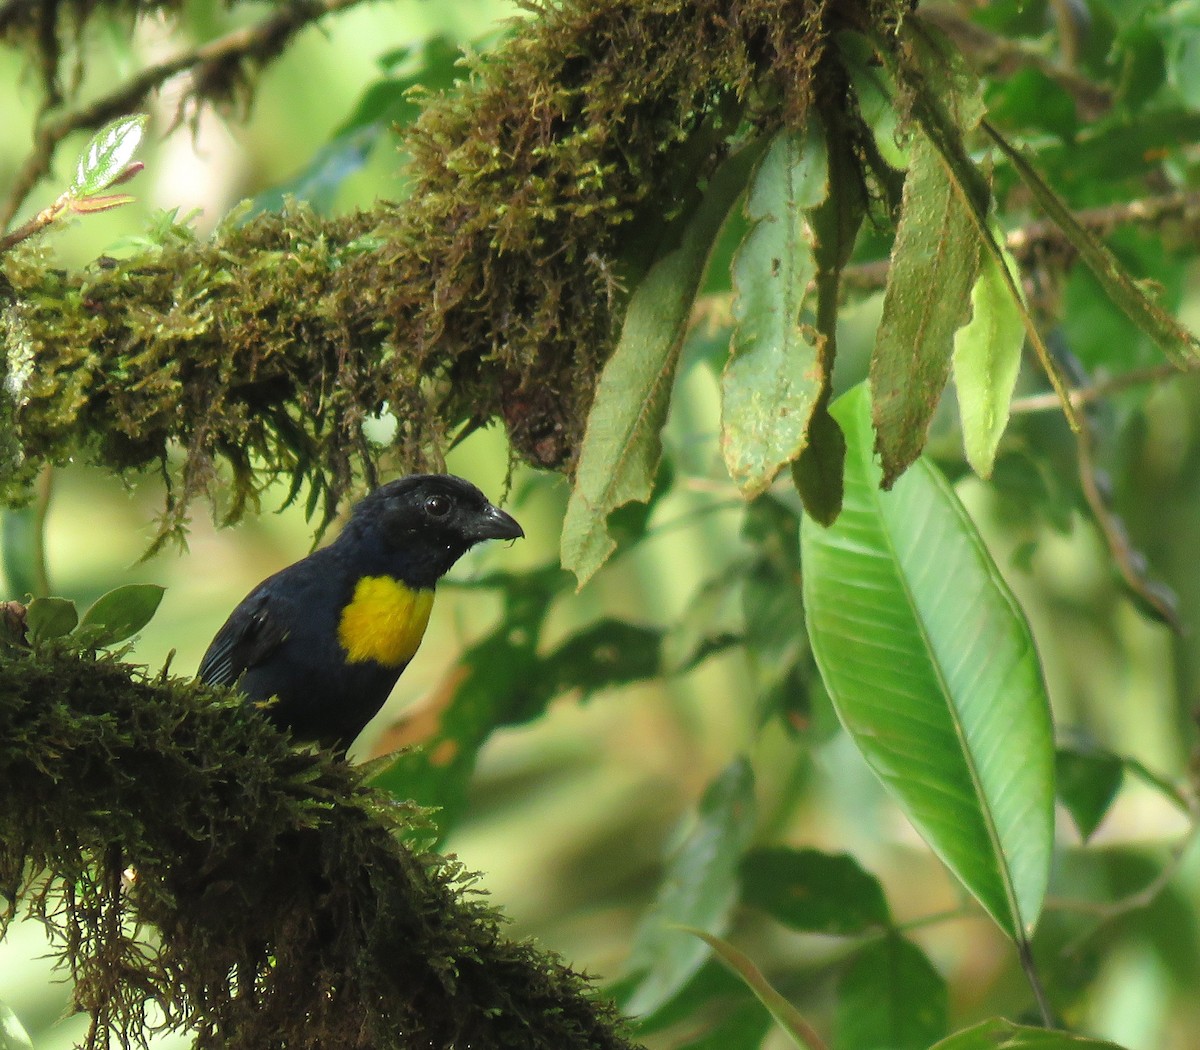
[(221, 71), (187, 856), (539, 192)]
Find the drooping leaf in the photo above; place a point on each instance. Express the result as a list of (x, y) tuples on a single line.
[(773, 377), (817, 471), (121, 613), (890, 996), (999, 1034), (1088, 780), (108, 155), (1175, 340), (622, 444), (47, 618), (932, 669), (785, 1014), (812, 891), (698, 889), (987, 358), (12, 1033), (933, 267), (944, 97), (835, 224)]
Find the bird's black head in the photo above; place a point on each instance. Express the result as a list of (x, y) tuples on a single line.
[(424, 523)]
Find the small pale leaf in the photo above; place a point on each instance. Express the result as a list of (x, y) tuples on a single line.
[(987, 358), (120, 613), (108, 154), (774, 375), (50, 618)]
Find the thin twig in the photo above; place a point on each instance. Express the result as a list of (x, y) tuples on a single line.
[(262, 41), (1100, 389), (1104, 912), (1002, 57), (1041, 237)]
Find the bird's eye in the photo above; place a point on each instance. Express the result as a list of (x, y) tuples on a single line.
[(438, 506)]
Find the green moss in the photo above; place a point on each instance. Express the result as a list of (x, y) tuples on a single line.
[(541, 191), (186, 855)]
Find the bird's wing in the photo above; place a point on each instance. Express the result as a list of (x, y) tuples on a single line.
[(250, 636)]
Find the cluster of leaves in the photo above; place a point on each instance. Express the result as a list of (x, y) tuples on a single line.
[(525, 255)]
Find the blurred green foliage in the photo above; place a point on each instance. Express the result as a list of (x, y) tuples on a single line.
[(659, 748)]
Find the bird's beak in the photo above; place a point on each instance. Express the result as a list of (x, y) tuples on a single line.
[(495, 524)]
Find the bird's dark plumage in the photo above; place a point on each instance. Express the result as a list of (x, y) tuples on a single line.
[(329, 635)]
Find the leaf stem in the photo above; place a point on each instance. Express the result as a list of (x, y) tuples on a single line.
[(1025, 955)]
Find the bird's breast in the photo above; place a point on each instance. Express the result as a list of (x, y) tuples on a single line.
[(384, 621)]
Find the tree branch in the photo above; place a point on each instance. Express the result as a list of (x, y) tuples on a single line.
[(216, 67), (288, 911)]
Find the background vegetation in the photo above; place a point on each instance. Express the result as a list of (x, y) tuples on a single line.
[(659, 748)]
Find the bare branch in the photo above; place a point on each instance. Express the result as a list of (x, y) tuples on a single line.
[(213, 66)]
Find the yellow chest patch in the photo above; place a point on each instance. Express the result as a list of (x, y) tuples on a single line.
[(384, 621)]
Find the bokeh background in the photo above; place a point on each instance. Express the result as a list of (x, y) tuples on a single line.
[(570, 816)]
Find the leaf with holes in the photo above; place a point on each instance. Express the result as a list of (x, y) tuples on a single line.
[(932, 669), (774, 375)]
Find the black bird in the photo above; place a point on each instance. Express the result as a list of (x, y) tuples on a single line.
[(329, 635)]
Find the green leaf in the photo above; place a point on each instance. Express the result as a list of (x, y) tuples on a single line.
[(817, 471), (12, 1033), (121, 613), (1088, 781), (774, 374), (698, 889), (998, 1034), (934, 262), (812, 891), (744, 1029), (890, 998), (987, 358), (49, 618), (1175, 341), (108, 155), (788, 1017), (622, 443), (932, 669)]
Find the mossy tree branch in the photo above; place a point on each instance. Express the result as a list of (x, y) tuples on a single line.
[(190, 858), (495, 290)]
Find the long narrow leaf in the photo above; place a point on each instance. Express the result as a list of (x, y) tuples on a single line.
[(774, 375), (622, 444), (931, 666), (786, 1015), (1176, 341), (936, 248)]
